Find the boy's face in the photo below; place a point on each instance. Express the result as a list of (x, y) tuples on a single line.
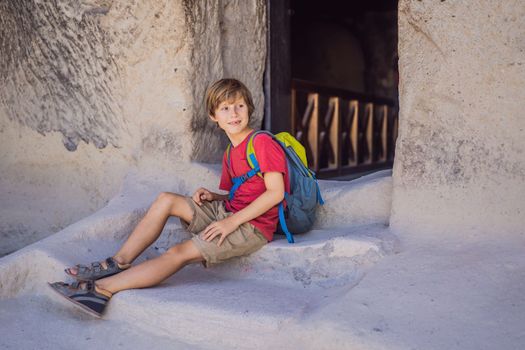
[(232, 116)]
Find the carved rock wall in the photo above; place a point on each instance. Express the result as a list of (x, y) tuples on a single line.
[(91, 91), (229, 40), (58, 72), (460, 157)]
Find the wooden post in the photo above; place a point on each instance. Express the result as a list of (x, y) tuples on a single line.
[(354, 131), (313, 130), (335, 133), (327, 119), (369, 132)]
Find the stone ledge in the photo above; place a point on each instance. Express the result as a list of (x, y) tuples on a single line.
[(81, 242), (278, 285), (288, 281)]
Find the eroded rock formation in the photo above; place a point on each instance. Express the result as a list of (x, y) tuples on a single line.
[(58, 71), (460, 157), (91, 91)]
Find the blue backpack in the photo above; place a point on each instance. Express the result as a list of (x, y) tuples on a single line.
[(301, 202)]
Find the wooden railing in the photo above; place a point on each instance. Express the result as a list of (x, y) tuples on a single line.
[(343, 132)]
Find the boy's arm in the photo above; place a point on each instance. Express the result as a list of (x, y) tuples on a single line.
[(274, 182), (219, 197), (274, 194), (202, 194)]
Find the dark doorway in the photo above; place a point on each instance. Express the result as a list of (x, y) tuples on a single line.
[(345, 53), (346, 44)]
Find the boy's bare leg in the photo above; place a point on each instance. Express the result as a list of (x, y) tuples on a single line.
[(151, 272), (149, 228)]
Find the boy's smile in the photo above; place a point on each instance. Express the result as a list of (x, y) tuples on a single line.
[(232, 117)]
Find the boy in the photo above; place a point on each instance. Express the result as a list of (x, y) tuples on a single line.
[(222, 228)]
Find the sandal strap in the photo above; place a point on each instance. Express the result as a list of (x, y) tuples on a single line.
[(99, 269), (74, 285), (97, 266), (94, 267), (111, 263)]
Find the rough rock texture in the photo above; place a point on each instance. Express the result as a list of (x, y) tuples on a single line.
[(238, 52), (460, 157), (94, 90), (58, 72)]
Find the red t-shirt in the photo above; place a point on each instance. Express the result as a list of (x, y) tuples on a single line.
[(271, 158)]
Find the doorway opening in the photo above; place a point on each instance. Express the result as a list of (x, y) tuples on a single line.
[(332, 79)]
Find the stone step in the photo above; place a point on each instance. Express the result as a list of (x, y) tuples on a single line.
[(325, 257), (256, 295), (322, 257), (39, 322)]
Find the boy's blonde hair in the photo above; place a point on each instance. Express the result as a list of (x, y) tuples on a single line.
[(227, 90)]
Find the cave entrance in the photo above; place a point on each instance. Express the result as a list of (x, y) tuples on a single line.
[(332, 80)]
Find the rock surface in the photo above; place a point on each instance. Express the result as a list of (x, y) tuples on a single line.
[(350, 283), (94, 91), (460, 156), (289, 282), (454, 280)]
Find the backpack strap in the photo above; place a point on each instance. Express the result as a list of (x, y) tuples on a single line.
[(252, 162), (239, 180), (250, 151), (284, 227)]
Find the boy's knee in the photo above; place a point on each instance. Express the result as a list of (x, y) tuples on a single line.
[(173, 204), (167, 199), (186, 251)]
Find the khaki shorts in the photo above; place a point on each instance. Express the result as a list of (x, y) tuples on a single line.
[(245, 240)]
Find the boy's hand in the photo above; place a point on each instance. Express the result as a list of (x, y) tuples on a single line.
[(220, 228), (202, 194)]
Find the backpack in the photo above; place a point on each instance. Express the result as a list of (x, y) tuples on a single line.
[(301, 202)]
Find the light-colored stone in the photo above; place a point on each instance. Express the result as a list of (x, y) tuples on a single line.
[(362, 201), (459, 165), (238, 52), (460, 156), (274, 288), (338, 287), (96, 90)]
